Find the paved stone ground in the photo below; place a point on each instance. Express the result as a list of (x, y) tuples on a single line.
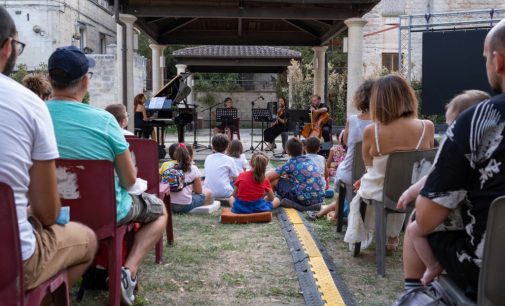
[(202, 139)]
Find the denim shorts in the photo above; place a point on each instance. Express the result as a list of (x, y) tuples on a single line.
[(285, 190), (197, 201)]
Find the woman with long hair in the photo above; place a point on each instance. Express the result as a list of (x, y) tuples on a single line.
[(141, 119), (280, 123)]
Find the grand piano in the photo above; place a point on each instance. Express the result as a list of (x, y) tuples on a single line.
[(169, 106)]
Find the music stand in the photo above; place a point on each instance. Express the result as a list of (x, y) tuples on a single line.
[(209, 146), (262, 115), (297, 118), (228, 116)]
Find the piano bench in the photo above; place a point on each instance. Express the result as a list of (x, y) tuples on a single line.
[(137, 132)]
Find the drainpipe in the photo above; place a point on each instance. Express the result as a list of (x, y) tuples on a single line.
[(123, 50)]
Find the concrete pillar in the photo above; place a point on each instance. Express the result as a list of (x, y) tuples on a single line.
[(354, 59), (319, 70), (119, 63), (157, 66), (129, 20), (191, 83), (181, 68)]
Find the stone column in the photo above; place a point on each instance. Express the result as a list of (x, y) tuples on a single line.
[(157, 67), (119, 63), (181, 68), (319, 70), (354, 59), (191, 84), (129, 20)]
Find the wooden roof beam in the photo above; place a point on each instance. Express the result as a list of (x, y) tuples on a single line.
[(302, 27), (321, 13)]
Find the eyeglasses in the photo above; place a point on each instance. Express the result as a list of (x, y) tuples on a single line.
[(90, 75), (21, 46)]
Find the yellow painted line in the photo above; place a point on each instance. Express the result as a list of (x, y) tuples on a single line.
[(326, 286)]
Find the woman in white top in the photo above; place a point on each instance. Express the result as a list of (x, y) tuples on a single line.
[(353, 133), (393, 109), (193, 194)]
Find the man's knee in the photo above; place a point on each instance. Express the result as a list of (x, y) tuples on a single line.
[(92, 243)]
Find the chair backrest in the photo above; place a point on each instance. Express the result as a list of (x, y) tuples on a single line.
[(145, 155), (492, 277), (403, 169), (11, 268), (358, 165), (87, 186)]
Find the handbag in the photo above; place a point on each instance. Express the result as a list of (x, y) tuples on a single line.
[(432, 295)]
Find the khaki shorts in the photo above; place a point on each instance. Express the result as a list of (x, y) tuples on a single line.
[(57, 248), (145, 209)]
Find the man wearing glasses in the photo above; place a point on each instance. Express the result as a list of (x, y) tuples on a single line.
[(27, 154)]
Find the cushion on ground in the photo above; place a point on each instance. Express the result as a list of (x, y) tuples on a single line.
[(228, 217), (206, 209)]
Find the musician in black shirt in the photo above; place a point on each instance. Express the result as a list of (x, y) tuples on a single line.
[(317, 106), (280, 123), (227, 126)]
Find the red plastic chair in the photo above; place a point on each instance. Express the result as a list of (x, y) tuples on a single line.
[(145, 153), (93, 203), (11, 265)]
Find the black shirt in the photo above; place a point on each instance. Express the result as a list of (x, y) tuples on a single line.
[(471, 164)]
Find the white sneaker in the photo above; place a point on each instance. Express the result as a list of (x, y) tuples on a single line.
[(128, 284)]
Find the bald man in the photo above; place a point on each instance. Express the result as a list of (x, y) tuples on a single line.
[(470, 166)]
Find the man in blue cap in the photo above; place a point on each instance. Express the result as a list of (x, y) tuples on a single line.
[(27, 154), (86, 132)]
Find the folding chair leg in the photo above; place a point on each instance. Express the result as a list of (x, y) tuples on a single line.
[(340, 213), (159, 251), (380, 234), (115, 259), (170, 226), (362, 211)]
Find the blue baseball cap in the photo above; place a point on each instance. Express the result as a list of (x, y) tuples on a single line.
[(71, 61)]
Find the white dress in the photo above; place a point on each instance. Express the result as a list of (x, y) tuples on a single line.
[(371, 187)]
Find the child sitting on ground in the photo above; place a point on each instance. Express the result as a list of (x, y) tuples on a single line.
[(236, 151), (220, 169), (312, 145), (253, 192), (336, 156), (298, 182), (192, 195), (453, 222), (171, 162)]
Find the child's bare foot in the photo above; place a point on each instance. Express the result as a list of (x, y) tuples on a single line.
[(431, 273)]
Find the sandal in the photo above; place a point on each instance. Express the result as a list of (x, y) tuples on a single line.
[(312, 215), (393, 243)]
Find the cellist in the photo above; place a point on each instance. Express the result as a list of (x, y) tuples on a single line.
[(317, 108)]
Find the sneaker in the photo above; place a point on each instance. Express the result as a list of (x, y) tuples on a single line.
[(128, 284)]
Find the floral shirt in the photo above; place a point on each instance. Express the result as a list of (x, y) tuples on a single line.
[(306, 178)]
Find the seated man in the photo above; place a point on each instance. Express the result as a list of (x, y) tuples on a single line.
[(298, 182), (469, 166), (317, 106), (86, 132), (27, 165)]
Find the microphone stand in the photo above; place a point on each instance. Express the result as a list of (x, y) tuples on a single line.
[(251, 149), (209, 147)]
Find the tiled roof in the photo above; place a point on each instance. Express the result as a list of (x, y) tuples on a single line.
[(209, 51)]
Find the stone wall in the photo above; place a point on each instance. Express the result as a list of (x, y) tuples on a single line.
[(387, 42), (104, 86), (58, 21)]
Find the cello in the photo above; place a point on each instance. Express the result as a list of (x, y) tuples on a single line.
[(315, 127)]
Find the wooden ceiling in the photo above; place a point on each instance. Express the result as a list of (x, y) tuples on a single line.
[(244, 22)]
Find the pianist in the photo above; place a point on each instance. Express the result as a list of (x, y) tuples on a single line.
[(227, 126), (280, 124), (141, 119)]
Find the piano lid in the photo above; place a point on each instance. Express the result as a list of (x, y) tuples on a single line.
[(176, 89)]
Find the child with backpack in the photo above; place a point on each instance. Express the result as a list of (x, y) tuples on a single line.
[(252, 191), (184, 179)]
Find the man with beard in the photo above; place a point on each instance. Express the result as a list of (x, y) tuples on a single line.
[(469, 169), (27, 154)]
